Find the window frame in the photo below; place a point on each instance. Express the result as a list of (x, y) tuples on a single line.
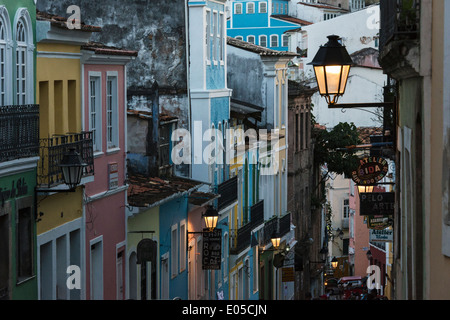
[(261, 5), (97, 134), (236, 6), (261, 37), (114, 95), (271, 41)]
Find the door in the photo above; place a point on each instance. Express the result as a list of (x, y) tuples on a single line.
[(97, 271)]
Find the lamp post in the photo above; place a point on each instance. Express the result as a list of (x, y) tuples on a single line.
[(211, 217), (334, 262), (72, 166), (365, 189), (332, 65)]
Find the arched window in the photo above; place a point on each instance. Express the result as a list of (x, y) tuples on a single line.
[(5, 58), (24, 65)]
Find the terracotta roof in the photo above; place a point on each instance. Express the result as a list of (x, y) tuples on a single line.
[(198, 198), (291, 19), (366, 132), (146, 191), (100, 48), (262, 51), (322, 6), (60, 22)]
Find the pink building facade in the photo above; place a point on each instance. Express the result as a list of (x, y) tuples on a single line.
[(104, 113), (359, 242)]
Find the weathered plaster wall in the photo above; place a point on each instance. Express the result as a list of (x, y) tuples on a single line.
[(154, 28)]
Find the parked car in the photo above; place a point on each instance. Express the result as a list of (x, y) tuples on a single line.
[(352, 285)]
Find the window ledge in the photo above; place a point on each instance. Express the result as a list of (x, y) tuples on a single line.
[(112, 151), (98, 154)]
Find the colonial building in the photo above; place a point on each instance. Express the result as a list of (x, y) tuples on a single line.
[(19, 151), (419, 30)]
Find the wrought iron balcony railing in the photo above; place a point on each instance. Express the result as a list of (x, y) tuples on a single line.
[(228, 193), (19, 132), (399, 19), (241, 238), (52, 151), (281, 225)]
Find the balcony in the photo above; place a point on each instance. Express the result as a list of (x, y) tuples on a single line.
[(399, 35), (228, 191), (282, 225), (19, 132), (241, 238), (52, 150), (400, 19)]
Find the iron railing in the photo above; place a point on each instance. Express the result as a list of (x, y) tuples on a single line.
[(19, 132), (241, 238), (399, 19), (228, 193), (52, 151)]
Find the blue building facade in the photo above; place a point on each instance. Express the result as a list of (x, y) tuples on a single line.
[(263, 23)]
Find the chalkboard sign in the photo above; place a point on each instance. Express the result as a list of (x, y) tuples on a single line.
[(212, 249), (377, 203)]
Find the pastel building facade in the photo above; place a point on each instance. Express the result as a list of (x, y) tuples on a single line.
[(19, 151), (104, 108), (262, 23)]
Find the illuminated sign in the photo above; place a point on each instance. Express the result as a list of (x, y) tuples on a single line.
[(370, 171)]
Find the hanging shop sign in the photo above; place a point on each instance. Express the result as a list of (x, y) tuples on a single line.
[(377, 203), (212, 249), (378, 222), (370, 171), (385, 235)]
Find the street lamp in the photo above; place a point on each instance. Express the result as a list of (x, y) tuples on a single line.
[(211, 216), (276, 240), (72, 167), (332, 67), (334, 263), (365, 189)]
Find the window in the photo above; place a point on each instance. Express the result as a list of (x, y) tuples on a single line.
[(250, 7), (112, 110), (207, 37), (238, 8), (239, 38), (346, 209), (220, 37), (214, 34), (24, 56), (263, 7), (182, 245), (21, 64), (24, 244), (263, 41), (174, 251), (3, 62), (95, 111), (255, 268), (285, 40), (274, 41), (251, 39)]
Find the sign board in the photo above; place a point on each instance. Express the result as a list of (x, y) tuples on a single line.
[(377, 203), (385, 235), (378, 222), (370, 171), (287, 274), (212, 249), (113, 175)]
